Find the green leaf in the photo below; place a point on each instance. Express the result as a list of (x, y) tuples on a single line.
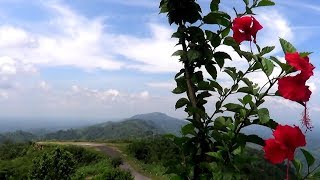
[(233, 107), (264, 116), (178, 90), (255, 139), (214, 38), (287, 47), (232, 72), (193, 55), (216, 85), (246, 2), (310, 159), (217, 17), (181, 102), (265, 3), (247, 99), (316, 174), (246, 90), (266, 50), (214, 5), (271, 123), (215, 155), (188, 129), (268, 66), (203, 95), (304, 54), (211, 70), (229, 41), (286, 67), (220, 57), (178, 53), (176, 177), (297, 165)]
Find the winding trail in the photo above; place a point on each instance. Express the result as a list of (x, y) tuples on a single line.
[(110, 151)]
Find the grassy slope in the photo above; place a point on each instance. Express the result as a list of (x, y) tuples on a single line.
[(154, 171)]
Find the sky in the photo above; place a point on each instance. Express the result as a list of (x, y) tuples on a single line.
[(112, 58)]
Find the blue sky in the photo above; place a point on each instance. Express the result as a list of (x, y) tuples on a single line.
[(112, 58)]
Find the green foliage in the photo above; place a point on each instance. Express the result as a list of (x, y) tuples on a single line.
[(33, 161), (159, 150), (124, 130), (116, 162), (57, 164), (212, 144), (114, 174)]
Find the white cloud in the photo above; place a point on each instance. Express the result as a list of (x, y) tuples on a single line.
[(44, 86), (7, 66), (165, 85), (152, 54), (142, 3), (74, 41)]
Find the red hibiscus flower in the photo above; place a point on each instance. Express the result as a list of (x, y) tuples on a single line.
[(244, 28), (294, 88), (300, 63), (283, 145)]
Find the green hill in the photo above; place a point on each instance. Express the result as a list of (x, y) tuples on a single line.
[(144, 125)]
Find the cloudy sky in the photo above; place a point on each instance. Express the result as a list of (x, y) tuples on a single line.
[(112, 58)]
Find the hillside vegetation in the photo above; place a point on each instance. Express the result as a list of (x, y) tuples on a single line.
[(34, 161)]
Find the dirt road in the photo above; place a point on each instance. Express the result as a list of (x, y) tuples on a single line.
[(110, 151)]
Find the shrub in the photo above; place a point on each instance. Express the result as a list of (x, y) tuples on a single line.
[(116, 162), (56, 165), (115, 174)]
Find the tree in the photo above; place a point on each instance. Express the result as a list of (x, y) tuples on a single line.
[(213, 143), (56, 165)]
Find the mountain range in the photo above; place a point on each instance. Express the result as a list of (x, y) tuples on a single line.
[(142, 125)]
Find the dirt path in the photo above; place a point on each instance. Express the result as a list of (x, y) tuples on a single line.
[(112, 152)]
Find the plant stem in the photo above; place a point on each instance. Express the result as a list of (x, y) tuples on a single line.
[(288, 165)]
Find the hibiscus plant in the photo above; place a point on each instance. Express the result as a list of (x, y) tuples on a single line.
[(213, 143)]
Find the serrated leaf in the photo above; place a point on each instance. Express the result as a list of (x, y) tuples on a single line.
[(181, 102), (268, 66), (287, 47), (304, 54), (264, 116), (266, 50), (310, 159), (265, 3)]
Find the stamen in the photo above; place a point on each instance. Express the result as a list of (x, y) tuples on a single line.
[(306, 121)]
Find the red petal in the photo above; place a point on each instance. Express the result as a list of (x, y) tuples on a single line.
[(274, 152), (300, 63), (294, 88)]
